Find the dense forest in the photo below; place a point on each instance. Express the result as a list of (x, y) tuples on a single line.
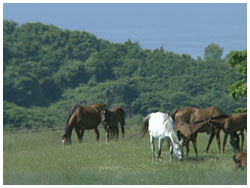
[(48, 70)]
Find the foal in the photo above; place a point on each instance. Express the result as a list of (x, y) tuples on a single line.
[(110, 118), (189, 132)]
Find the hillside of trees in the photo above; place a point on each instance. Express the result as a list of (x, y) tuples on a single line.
[(47, 71)]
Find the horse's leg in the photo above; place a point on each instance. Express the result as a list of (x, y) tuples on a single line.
[(152, 147), (194, 144), (210, 139), (187, 146), (171, 151), (234, 141), (218, 139), (81, 134), (159, 148), (225, 141), (123, 131), (78, 133), (97, 135), (117, 132), (106, 127), (242, 139), (122, 122), (69, 136)]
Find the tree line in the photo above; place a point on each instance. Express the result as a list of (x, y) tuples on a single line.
[(48, 70)]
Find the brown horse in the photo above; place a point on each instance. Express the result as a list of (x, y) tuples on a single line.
[(235, 123), (240, 160), (191, 114), (110, 119), (81, 119), (218, 123), (189, 132)]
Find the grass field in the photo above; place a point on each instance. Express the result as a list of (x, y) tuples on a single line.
[(40, 158)]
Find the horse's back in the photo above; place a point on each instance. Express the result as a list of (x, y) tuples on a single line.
[(236, 122), (119, 113), (155, 124), (192, 114), (118, 110), (90, 117), (160, 124), (183, 114)]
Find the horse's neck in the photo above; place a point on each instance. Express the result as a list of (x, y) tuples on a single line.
[(219, 122), (195, 127), (68, 130), (171, 129), (173, 135)]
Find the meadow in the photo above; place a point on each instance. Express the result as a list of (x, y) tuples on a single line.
[(40, 158)]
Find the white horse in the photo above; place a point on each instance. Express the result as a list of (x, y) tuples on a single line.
[(161, 126)]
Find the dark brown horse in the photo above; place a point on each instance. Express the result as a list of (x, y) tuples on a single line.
[(189, 132), (235, 123), (191, 114), (218, 124), (110, 119), (81, 119)]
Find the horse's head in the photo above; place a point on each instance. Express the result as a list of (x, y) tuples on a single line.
[(66, 140), (235, 142), (178, 150), (66, 137)]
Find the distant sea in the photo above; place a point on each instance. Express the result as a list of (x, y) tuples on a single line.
[(192, 42)]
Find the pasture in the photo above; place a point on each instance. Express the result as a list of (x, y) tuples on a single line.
[(40, 158)]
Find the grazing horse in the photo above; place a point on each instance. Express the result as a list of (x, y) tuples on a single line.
[(218, 123), (191, 114), (81, 119), (240, 160), (161, 126), (235, 123), (189, 132), (110, 119)]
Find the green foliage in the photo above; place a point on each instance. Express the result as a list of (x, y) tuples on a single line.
[(213, 52), (47, 71), (238, 59)]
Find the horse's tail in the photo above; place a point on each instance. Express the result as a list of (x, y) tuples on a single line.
[(172, 113), (122, 119), (122, 116), (144, 128)]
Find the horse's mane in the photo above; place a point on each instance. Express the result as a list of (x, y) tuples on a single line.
[(196, 122), (220, 116), (172, 127), (173, 112), (74, 109)]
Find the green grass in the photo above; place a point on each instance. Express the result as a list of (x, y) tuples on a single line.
[(40, 158)]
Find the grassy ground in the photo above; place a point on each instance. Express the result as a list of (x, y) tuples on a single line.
[(40, 158)]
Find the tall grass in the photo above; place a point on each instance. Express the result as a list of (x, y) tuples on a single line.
[(40, 158)]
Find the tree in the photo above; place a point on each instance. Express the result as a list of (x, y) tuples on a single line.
[(238, 60), (213, 52)]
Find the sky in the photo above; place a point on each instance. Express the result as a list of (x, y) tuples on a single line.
[(181, 28)]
